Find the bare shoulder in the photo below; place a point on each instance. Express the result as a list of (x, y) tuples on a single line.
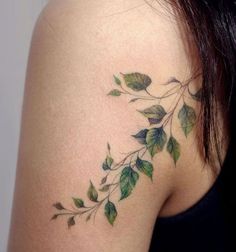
[(91, 41), (131, 31)]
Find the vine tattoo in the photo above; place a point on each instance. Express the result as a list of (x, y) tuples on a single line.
[(124, 174)]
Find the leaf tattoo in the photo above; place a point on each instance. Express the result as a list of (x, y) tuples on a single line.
[(173, 148), (128, 180), (124, 174), (145, 167), (187, 117), (155, 114), (110, 212), (156, 139)]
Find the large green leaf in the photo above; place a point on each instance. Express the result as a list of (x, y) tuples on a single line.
[(137, 81), (173, 148), (154, 113), (187, 118), (145, 167), (128, 180), (156, 139), (110, 212), (92, 192), (141, 136), (107, 163)]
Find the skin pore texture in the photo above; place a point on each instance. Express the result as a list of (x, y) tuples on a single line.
[(109, 127)]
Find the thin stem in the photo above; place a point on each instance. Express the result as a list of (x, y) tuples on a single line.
[(118, 165), (150, 96), (176, 105), (166, 94)]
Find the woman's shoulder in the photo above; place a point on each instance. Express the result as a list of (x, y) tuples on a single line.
[(136, 31), (102, 38)]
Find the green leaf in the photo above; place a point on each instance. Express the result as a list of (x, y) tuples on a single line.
[(197, 96), (92, 193), (137, 81), (128, 180), (107, 163), (134, 100), (105, 188), (172, 80), (78, 202), (71, 221), (141, 136), (58, 206), (145, 167), (117, 80), (108, 147), (187, 118), (104, 180), (89, 216), (115, 92), (173, 148), (156, 139), (54, 217), (154, 113), (110, 212)]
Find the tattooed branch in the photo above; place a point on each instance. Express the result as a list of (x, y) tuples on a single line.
[(124, 174)]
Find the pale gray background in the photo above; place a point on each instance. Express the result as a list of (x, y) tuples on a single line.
[(17, 19)]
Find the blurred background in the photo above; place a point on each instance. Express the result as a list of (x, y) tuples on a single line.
[(17, 19)]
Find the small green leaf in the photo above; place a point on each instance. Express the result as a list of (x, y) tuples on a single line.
[(134, 100), (117, 80), (107, 163), (187, 118), (154, 113), (71, 221), (78, 202), (173, 148), (172, 80), (145, 167), (197, 96), (128, 180), (105, 188), (92, 193), (115, 92), (108, 147), (137, 81), (141, 136), (156, 139), (110, 212), (58, 206), (103, 181), (89, 216), (54, 217)]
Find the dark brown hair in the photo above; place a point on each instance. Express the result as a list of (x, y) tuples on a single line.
[(212, 24)]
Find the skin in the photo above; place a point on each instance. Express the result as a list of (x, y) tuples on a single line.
[(67, 121)]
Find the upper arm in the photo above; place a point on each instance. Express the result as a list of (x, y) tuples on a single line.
[(68, 119)]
